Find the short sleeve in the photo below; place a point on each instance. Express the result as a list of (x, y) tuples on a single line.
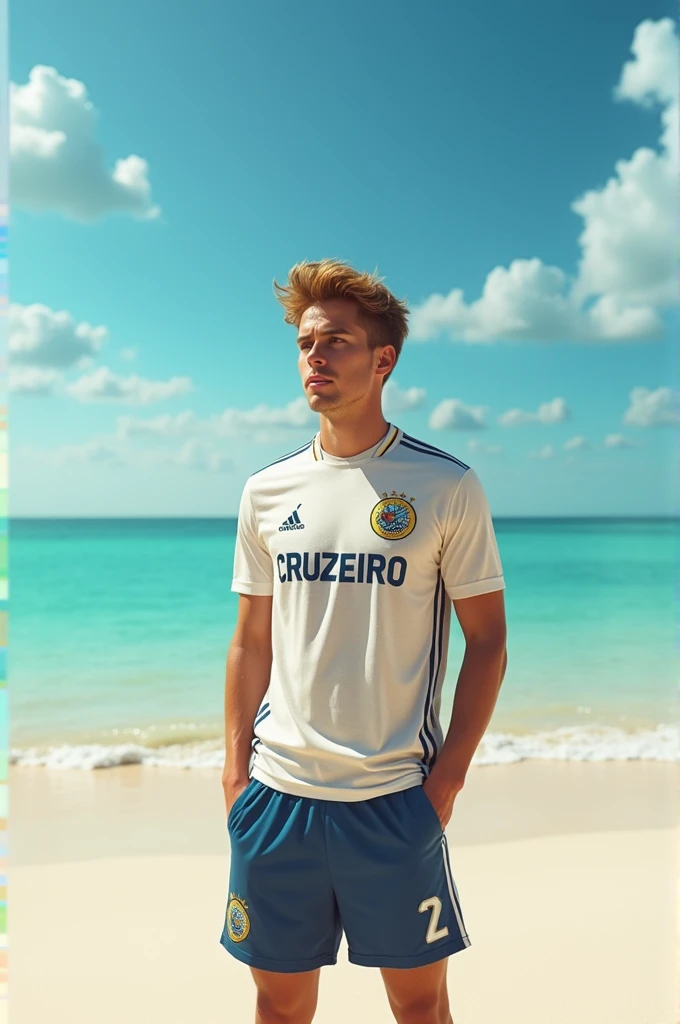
[(470, 560), (253, 570)]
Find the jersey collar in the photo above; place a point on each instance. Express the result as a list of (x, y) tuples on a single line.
[(380, 449)]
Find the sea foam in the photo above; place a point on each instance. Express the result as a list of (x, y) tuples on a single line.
[(570, 743)]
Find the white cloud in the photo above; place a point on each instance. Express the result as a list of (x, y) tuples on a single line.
[(31, 380), (612, 319), (198, 439), (44, 342), (56, 164), (627, 270), (102, 385), (273, 435), (128, 354), (192, 454), (576, 444), (41, 336), (481, 448), (195, 454), (452, 414), (395, 400), (652, 76), (546, 452), (523, 302), (555, 411), (617, 441), (630, 225), (262, 423), (296, 414), (181, 424), (652, 408), (96, 450)]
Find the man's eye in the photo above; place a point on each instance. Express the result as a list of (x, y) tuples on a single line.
[(337, 339)]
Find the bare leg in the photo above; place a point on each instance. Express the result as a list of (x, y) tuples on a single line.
[(286, 998), (418, 995)]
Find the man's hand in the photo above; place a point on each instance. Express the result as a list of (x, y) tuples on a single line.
[(232, 788), (441, 793)]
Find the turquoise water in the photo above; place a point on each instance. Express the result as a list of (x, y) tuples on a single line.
[(119, 629)]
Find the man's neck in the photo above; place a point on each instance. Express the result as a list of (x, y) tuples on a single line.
[(345, 438)]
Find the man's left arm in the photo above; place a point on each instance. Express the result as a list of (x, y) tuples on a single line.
[(482, 620)]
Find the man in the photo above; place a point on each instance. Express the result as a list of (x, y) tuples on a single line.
[(338, 781)]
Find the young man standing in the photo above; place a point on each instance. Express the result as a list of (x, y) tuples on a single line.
[(338, 779)]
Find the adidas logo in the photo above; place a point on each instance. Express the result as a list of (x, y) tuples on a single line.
[(292, 522)]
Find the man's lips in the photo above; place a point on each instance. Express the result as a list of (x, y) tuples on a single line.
[(317, 381)]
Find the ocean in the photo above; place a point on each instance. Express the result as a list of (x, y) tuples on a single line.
[(119, 630)]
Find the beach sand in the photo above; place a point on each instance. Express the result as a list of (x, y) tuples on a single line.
[(567, 874)]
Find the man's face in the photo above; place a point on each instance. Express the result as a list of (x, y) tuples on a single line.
[(336, 366)]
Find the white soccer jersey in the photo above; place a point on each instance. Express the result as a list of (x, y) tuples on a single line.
[(363, 556)]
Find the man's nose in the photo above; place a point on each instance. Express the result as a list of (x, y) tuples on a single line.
[(315, 354)]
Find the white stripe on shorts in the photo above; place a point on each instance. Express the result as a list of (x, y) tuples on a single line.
[(453, 892)]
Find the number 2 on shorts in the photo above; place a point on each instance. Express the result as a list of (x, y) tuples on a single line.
[(435, 905)]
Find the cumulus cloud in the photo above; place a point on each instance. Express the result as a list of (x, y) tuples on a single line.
[(192, 454), (103, 385), (181, 424), (626, 273), (262, 423), (195, 454), (294, 415), (628, 240), (652, 76), (523, 302), (546, 452), (452, 414), (576, 444), (555, 411), (198, 441), (45, 343), (617, 441), (57, 165), (395, 400), (33, 381), (43, 337), (98, 450), (653, 408), (481, 448)]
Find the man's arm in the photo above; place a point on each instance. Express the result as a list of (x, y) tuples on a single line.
[(248, 670), (482, 620)]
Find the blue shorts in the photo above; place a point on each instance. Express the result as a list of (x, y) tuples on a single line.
[(303, 870)]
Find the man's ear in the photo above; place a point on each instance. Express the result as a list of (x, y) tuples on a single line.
[(388, 357)]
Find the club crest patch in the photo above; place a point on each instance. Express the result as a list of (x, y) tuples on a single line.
[(394, 517), (238, 922)]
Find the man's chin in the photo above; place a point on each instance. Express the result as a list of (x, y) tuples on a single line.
[(319, 401)]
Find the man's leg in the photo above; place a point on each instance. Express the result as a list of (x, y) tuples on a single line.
[(418, 995), (286, 998)]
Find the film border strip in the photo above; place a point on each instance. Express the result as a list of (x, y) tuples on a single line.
[(4, 730)]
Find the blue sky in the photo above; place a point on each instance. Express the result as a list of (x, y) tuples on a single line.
[(165, 171)]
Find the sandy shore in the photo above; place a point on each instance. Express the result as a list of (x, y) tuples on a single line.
[(567, 875)]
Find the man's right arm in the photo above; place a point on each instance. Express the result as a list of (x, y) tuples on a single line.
[(248, 670)]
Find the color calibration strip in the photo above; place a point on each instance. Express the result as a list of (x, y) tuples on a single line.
[(4, 730)]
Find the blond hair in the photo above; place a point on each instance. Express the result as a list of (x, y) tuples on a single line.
[(383, 317)]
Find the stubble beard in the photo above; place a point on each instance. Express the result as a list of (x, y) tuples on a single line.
[(335, 408)]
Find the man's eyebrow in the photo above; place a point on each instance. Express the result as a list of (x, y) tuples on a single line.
[(326, 330)]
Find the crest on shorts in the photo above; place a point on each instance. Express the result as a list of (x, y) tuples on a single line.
[(394, 517), (238, 922)]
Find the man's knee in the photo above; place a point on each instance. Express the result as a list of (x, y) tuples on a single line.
[(272, 1009), (421, 1008), (286, 998)]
